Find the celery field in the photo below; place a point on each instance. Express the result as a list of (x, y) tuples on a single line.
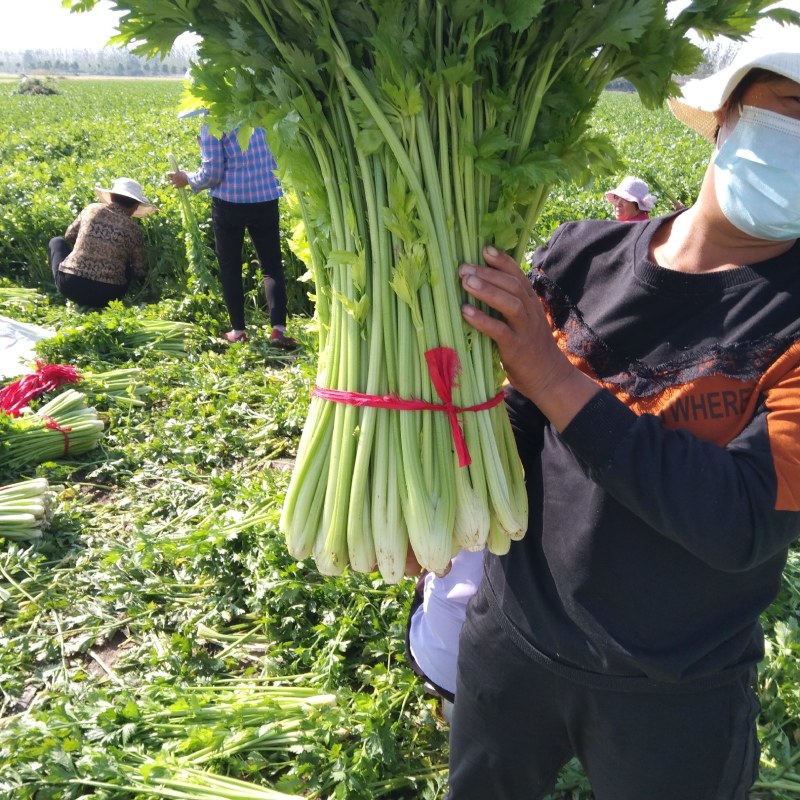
[(158, 640)]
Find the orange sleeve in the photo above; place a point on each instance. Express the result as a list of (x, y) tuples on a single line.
[(783, 427)]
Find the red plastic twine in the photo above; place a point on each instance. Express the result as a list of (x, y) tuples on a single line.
[(17, 395), (443, 368), (53, 425)]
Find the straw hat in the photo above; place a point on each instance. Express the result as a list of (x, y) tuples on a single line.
[(634, 190), (702, 97), (127, 187)]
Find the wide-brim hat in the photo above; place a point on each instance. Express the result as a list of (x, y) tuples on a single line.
[(700, 98), (127, 187), (634, 190)]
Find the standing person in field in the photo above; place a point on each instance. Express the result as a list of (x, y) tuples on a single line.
[(656, 406), (103, 249), (244, 197), (631, 200)]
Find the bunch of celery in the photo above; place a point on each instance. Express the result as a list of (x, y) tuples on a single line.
[(269, 718), (159, 335), (384, 152), (413, 134), (20, 297), (119, 332), (177, 732), (199, 256), (158, 778), (63, 426), (122, 386), (25, 509)]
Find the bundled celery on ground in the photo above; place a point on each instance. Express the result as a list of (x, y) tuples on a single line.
[(64, 426), (414, 133), (25, 509), (159, 335), (18, 297), (160, 779), (174, 732), (120, 333), (120, 386)]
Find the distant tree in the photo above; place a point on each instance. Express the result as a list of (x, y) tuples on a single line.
[(108, 61), (620, 85), (719, 52)]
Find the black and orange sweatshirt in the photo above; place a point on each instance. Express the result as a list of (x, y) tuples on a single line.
[(660, 518)]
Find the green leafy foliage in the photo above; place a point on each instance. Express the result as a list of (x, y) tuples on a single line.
[(476, 110), (163, 576), (56, 149), (651, 144), (538, 67)]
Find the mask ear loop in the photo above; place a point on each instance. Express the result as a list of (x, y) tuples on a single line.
[(725, 128)]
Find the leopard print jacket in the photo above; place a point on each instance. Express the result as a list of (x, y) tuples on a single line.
[(108, 245)]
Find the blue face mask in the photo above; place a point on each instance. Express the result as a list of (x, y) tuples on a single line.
[(757, 175)]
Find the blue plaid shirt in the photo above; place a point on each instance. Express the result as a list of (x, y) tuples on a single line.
[(233, 174)]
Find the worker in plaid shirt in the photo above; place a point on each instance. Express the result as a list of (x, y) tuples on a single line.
[(244, 197)]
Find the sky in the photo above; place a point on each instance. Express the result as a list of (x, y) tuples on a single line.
[(45, 25)]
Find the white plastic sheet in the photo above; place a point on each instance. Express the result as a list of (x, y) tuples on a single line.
[(17, 340)]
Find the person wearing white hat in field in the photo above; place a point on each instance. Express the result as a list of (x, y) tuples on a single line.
[(631, 200), (103, 249), (656, 408)]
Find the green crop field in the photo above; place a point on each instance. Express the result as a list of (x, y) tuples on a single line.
[(158, 636)]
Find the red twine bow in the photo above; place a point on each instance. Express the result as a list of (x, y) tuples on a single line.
[(54, 425), (17, 395), (443, 368)]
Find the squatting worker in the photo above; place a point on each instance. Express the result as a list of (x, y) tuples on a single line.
[(631, 200), (244, 193), (103, 249), (656, 369)]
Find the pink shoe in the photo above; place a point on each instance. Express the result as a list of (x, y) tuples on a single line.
[(280, 339), (235, 336)]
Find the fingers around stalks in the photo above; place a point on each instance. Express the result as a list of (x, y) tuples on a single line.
[(523, 335), (504, 288)]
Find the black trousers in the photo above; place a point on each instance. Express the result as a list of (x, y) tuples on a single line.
[(516, 724), (262, 222), (80, 290)]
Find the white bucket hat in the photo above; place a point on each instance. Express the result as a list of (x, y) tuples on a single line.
[(192, 112), (635, 190), (702, 97), (127, 187)]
